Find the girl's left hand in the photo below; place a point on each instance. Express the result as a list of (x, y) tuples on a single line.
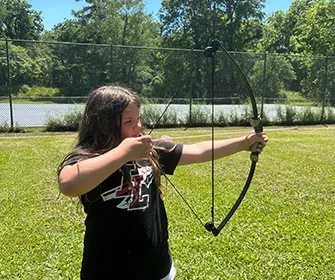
[(254, 138)]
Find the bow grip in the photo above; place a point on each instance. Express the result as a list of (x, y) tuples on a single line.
[(256, 124)]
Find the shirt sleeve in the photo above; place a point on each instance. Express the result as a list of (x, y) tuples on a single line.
[(70, 160), (169, 158)]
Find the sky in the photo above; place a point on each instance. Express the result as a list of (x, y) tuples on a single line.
[(56, 11)]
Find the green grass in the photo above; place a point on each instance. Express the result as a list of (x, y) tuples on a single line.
[(284, 228)]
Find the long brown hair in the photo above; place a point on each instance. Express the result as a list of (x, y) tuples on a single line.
[(100, 129)]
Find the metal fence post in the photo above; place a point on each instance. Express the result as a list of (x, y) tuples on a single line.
[(264, 83), (324, 89), (9, 85), (111, 64), (192, 89)]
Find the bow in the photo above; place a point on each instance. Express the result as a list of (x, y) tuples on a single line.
[(255, 123)]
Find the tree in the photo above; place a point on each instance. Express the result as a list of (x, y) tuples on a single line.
[(313, 36), (306, 29), (280, 28), (28, 65), (278, 71), (114, 25), (316, 27), (19, 21), (193, 24), (120, 22)]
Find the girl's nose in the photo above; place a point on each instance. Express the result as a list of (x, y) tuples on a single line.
[(138, 124)]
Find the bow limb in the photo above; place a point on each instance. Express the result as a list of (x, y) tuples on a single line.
[(216, 230)]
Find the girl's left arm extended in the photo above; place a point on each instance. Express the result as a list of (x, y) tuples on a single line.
[(202, 151)]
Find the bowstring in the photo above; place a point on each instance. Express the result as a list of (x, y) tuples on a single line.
[(178, 192), (157, 164), (217, 230)]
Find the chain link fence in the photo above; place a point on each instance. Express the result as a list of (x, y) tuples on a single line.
[(39, 80)]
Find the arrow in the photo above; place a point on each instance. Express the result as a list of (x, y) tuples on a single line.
[(166, 139)]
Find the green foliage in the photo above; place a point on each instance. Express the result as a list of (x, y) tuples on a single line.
[(28, 65), (6, 128), (68, 122), (319, 82), (308, 116), (295, 98), (26, 91), (295, 115), (19, 21), (291, 95), (199, 116), (114, 23), (278, 70), (123, 30), (222, 119), (315, 29), (191, 24), (305, 30), (151, 116), (286, 115), (284, 228), (22, 66), (329, 115)]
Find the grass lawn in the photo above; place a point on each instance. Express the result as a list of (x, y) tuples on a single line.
[(284, 228)]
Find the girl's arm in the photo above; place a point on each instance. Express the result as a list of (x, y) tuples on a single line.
[(202, 151), (85, 175)]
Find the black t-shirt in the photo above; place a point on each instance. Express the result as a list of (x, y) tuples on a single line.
[(126, 225)]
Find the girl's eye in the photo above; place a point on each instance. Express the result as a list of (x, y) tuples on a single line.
[(132, 121)]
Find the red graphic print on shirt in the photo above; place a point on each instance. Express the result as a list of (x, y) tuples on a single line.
[(134, 193)]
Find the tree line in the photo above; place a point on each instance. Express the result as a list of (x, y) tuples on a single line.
[(117, 41)]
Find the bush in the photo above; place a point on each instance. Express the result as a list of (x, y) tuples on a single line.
[(308, 117), (151, 116), (330, 115), (5, 128), (200, 116), (286, 116), (69, 122)]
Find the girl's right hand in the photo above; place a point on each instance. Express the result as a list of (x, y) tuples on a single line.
[(137, 147)]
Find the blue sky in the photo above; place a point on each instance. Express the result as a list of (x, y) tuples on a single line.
[(55, 11)]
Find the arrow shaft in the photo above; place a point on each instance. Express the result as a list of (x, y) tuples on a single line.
[(221, 134)]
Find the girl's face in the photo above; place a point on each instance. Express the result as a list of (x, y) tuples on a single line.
[(131, 125)]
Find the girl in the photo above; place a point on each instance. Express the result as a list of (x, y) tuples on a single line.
[(115, 170)]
